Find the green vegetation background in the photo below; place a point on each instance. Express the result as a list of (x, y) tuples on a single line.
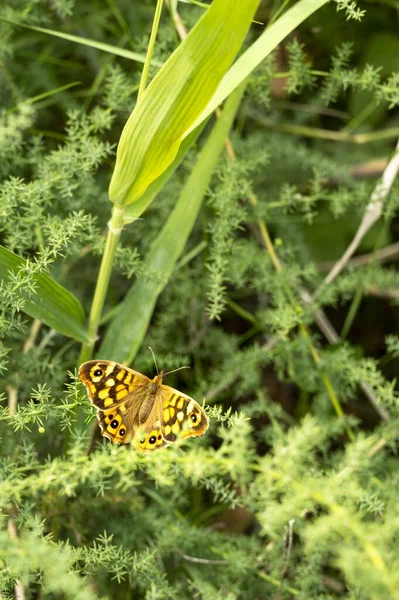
[(293, 491)]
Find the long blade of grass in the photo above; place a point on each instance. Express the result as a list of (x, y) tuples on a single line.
[(176, 96), (85, 42), (52, 304), (45, 95), (128, 328), (258, 51), (136, 209), (243, 66)]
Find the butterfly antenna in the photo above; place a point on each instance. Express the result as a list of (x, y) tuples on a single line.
[(174, 370), (155, 360)]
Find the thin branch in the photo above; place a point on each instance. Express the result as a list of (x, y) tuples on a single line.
[(181, 30), (276, 583), (371, 216), (19, 589), (11, 527), (12, 400), (288, 541), (388, 253), (31, 339), (389, 294), (92, 438), (369, 169), (323, 134), (309, 108), (202, 561), (382, 442)]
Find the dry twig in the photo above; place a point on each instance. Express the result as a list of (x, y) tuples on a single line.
[(388, 253), (372, 214)]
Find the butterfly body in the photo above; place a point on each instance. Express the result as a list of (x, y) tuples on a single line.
[(132, 407)]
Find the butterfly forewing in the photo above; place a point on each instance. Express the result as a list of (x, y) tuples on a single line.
[(117, 392), (108, 382)]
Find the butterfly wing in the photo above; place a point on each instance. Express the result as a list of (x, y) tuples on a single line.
[(181, 417), (118, 393)]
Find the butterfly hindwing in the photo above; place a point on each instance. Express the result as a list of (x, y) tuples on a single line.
[(117, 424), (182, 417), (149, 440), (148, 434)]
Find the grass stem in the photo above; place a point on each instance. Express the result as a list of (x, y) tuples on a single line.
[(150, 49), (115, 226)]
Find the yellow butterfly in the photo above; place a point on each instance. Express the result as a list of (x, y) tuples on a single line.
[(132, 407)]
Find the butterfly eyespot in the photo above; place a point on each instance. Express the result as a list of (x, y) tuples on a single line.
[(194, 418), (142, 441), (122, 432), (160, 437), (98, 373), (114, 424), (152, 439), (110, 417)]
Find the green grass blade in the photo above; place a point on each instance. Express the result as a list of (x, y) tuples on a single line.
[(45, 95), (176, 96), (128, 328), (85, 42), (52, 304), (243, 67), (136, 209), (258, 51)]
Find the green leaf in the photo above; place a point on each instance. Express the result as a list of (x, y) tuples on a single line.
[(85, 42), (52, 304), (176, 96), (136, 209), (194, 2), (128, 328), (258, 51)]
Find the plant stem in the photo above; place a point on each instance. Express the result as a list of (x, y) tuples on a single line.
[(244, 314), (350, 317), (115, 227), (150, 49), (324, 134)]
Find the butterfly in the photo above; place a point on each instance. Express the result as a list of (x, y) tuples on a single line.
[(134, 408)]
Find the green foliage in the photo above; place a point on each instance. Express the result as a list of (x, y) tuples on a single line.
[(229, 214), (283, 497)]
